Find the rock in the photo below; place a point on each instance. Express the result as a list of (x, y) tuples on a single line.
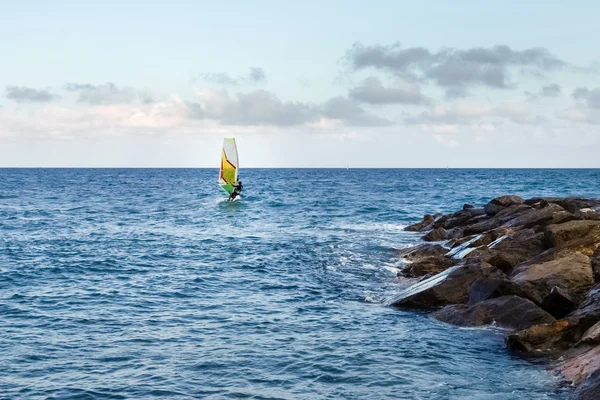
[(592, 335), (422, 251), (427, 221), (436, 235), (516, 249), (596, 264), (579, 368), (547, 337), (572, 273), (558, 303), (511, 212), (460, 218), (588, 312), (507, 311), (589, 388), (467, 207), (428, 265), (488, 288), (449, 287), (559, 235), (571, 204), (499, 203), (534, 217), (483, 226)]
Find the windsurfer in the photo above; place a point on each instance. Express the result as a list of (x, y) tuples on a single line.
[(237, 189)]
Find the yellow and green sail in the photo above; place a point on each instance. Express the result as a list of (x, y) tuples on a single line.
[(228, 174)]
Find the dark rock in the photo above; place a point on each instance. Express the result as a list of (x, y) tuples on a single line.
[(588, 312), (592, 335), (436, 235), (589, 389), (507, 311), (571, 204), (428, 265), (483, 226), (488, 288), (467, 207), (572, 273), (558, 303), (449, 287), (427, 221), (542, 338), (516, 249), (462, 217), (500, 203), (421, 251), (534, 217), (559, 235), (596, 264), (513, 211)]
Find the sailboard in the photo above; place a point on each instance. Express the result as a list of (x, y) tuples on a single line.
[(228, 173)]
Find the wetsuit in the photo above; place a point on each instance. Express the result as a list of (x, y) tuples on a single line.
[(237, 189)]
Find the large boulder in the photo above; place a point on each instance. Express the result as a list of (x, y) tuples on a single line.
[(534, 217), (427, 221), (500, 203), (560, 235), (489, 288), (515, 249), (449, 287), (428, 265), (542, 338), (422, 251), (572, 273), (507, 311), (571, 204), (440, 234), (589, 389), (460, 218), (558, 303), (580, 367), (592, 335)]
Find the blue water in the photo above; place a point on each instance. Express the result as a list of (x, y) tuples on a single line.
[(141, 284)]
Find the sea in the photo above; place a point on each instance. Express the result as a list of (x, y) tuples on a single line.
[(148, 284)]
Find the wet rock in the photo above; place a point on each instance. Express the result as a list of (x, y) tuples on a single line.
[(488, 288), (558, 303), (546, 337), (588, 312), (467, 207), (589, 388), (506, 311), (460, 218), (500, 203), (596, 264), (436, 235), (592, 335), (483, 226), (559, 235), (422, 251), (516, 249), (579, 368), (449, 287), (428, 265), (571, 204), (572, 273), (427, 221), (534, 217)]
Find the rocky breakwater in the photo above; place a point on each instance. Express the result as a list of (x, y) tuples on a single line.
[(530, 266)]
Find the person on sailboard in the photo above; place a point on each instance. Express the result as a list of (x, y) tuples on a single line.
[(237, 190)]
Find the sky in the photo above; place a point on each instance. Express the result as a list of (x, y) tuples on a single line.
[(401, 84)]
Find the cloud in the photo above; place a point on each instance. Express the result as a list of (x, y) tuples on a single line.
[(468, 114), (552, 90), (256, 75), (453, 69), (351, 113), (22, 94), (259, 107), (373, 92), (591, 97), (107, 93)]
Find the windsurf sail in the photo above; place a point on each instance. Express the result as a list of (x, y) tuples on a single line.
[(228, 174)]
